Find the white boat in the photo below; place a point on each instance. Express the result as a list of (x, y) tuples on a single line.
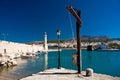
[(29, 55)]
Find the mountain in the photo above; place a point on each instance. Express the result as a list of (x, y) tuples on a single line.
[(95, 38), (83, 39)]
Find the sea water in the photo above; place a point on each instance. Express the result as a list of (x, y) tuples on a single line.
[(105, 62)]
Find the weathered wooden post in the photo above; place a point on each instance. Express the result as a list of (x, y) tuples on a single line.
[(79, 64), (76, 14)]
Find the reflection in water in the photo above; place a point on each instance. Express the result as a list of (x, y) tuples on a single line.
[(45, 61), (89, 56), (106, 62)]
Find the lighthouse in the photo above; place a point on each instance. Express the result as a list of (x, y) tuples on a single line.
[(45, 42)]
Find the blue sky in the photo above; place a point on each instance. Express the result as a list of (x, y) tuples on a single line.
[(27, 20)]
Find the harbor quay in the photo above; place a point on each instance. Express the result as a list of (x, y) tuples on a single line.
[(66, 74), (11, 50)]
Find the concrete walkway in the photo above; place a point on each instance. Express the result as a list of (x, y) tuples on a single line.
[(65, 74)]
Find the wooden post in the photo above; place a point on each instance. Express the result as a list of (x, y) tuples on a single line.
[(76, 14), (79, 62)]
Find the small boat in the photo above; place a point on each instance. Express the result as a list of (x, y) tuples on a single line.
[(38, 53), (109, 50), (29, 55)]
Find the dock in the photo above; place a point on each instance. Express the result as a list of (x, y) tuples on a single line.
[(66, 74)]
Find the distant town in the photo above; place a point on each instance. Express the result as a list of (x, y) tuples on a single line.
[(99, 42)]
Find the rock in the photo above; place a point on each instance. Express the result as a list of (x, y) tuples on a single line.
[(14, 63), (9, 64), (2, 63), (5, 65), (89, 72)]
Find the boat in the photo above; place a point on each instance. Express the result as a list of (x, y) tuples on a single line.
[(108, 50), (29, 55)]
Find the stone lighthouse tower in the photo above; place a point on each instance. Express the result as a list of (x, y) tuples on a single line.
[(45, 42)]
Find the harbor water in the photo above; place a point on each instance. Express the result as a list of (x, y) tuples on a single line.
[(104, 62)]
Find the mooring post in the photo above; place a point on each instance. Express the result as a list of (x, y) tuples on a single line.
[(79, 62)]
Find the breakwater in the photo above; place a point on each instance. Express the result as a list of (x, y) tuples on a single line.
[(11, 50)]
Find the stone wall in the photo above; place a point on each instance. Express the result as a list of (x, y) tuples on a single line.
[(13, 48)]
